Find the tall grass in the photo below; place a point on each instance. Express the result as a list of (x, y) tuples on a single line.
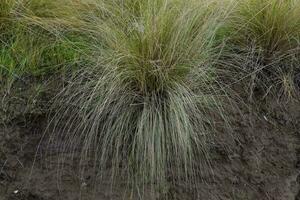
[(264, 39), (39, 44), (143, 111), (36, 38)]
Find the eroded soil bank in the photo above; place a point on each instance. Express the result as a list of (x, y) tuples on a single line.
[(261, 161)]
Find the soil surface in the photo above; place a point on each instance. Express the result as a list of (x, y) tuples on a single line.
[(259, 160)]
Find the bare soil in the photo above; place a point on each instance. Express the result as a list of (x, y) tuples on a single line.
[(259, 160)]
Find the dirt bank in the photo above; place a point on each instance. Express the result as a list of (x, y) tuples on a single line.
[(260, 162)]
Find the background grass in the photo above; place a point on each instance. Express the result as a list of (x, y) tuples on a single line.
[(264, 42), (39, 46), (36, 39)]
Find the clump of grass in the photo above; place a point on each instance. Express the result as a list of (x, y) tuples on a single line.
[(38, 45), (5, 9), (36, 38), (143, 110), (264, 38)]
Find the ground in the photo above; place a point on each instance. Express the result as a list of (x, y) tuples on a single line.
[(258, 160)]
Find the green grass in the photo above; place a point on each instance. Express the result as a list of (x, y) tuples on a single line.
[(142, 110), (36, 39), (39, 46), (264, 38)]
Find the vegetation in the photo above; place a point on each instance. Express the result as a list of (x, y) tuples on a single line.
[(143, 108), (144, 80), (36, 39), (264, 42), (38, 45)]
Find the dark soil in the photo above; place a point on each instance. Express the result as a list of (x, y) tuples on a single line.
[(259, 160)]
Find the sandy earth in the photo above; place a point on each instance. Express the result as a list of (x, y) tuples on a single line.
[(261, 161)]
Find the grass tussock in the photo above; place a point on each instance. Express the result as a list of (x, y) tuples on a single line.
[(264, 37), (142, 111), (39, 45), (36, 39)]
